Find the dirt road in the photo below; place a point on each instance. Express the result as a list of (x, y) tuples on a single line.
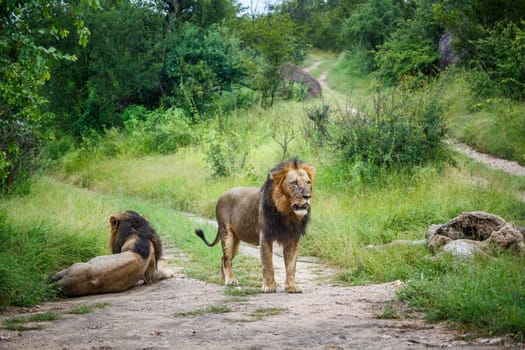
[(183, 313)]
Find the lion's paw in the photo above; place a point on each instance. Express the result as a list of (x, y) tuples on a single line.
[(268, 289), (293, 289), (231, 283)]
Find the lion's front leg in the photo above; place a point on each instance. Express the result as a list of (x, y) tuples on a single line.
[(266, 249), (290, 260)]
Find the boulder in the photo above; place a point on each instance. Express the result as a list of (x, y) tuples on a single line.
[(289, 72), (473, 232), (447, 54)]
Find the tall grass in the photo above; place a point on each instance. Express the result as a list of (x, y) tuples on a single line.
[(493, 125), (487, 294)]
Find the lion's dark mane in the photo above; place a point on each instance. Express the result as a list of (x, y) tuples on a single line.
[(276, 226), (132, 223)]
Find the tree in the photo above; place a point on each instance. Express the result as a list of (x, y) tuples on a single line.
[(200, 65), (119, 67), (202, 13), (370, 24), (412, 48), (276, 40), (319, 20), (24, 69)]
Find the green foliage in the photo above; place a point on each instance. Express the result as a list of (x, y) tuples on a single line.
[(160, 131), (202, 13), (25, 62), (112, 71), (18, 323), (223, 154), (277, 40), (200, 65), (401, 128), (500, 60), (487, 294), (317, 130), (28, 256), (145, 132), (469, 21), (412, 48), (320, 21), (370, 25)]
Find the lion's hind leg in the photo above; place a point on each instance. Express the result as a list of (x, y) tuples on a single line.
[(230, 246), (153, 272)]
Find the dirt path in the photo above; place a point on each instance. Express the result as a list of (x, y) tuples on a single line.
[(184, 313), (510, 167)]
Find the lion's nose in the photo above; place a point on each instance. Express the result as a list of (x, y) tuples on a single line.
[(307, 196)]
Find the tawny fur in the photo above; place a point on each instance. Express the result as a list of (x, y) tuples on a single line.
[(136, 249), (277, 212)]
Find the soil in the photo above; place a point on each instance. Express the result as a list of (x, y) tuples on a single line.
[(184, 313)]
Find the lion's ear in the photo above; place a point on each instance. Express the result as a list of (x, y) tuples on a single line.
[(278, 175), (113, 221), (310, 170)]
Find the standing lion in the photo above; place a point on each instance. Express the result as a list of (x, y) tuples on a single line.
[(136, 249), (279, 212)]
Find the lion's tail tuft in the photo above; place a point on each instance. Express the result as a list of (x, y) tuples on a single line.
[(200, 233)]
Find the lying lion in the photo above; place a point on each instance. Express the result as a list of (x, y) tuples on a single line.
[(136, 248), (279, 211)]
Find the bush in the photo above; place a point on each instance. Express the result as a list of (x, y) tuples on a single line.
[(400, 129), (224, 155), (500, 63), (160, 131), (236, 98), (200, 65)]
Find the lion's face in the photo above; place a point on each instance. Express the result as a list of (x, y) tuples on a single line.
[(293, 193), (299, 187)]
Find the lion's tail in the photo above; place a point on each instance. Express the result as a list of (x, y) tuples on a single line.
[(200, 233)]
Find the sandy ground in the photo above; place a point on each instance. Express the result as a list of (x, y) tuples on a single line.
[(183, 313)]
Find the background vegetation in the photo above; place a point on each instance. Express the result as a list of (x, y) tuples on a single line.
[(114, 104)]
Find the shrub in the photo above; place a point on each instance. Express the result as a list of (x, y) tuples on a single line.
[(224, 155), (160, 131), (500, 63), (398, 130)]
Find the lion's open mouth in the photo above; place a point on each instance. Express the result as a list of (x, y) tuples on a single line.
[(300, 209)]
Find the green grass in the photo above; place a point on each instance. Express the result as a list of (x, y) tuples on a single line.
[(20, 323), (495, 126), (214, 309), (86, 309), (486, 294), (262, 312)]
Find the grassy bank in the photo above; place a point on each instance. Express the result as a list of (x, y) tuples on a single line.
[(491, 125)]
